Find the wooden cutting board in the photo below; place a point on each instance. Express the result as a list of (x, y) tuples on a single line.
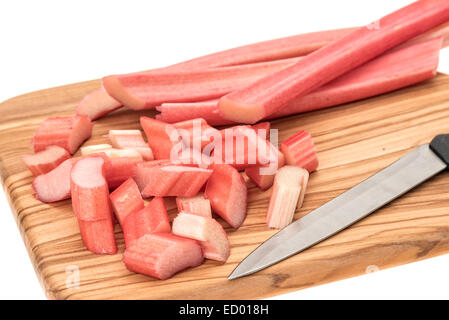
[(353, 141)]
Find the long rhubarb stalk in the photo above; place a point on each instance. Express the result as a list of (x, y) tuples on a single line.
[(287, 47), (273, 92), (99, 102), (387, 73), (146, 90)]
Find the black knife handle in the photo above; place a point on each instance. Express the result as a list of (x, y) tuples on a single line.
[(440, 145)]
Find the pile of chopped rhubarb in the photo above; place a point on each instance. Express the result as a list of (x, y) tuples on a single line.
[(181, 153)]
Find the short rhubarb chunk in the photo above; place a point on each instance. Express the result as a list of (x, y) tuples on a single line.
[(161, 255), (131, 139), (299, 150), (152, 218), (54, 185), (97, 104), (126, 199), (162, 138), (66, 132), (196, 133), (263, 179), (175, 181), (243, 147), (145, 170), (227, 193), (288, 193), (90, 202), (198, 205), (46, 160), (271, 93), (118, 170), (207, 231)]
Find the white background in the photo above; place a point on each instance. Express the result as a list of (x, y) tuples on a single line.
[(51, 43)]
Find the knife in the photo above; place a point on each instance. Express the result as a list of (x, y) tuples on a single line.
[(351, 206)]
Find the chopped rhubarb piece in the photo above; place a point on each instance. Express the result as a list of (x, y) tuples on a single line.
[(293, 46), (119, 170), (66, 132), (96, 148), (90, 193), (264, 180), (198, 205), (227, 193), (131, 139), (146, 90), (299, 150), (273, 92), (54, 185), (264, 127), (288, 191), (242, 147), (152, 218), (145, 170), (97, 104), (175, 181), (161, 137), (90, 202), (46, 160), (196, 133), (207, 231), (126, 199), (161, 255), (98, 236), (389, 72)]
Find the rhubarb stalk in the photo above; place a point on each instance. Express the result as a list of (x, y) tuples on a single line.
[(386, 73), (273, 92)]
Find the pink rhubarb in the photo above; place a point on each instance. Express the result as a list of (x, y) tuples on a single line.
[(54, 185), (162, 138), (288, 193), (389, 72), (273, 92), (207, 231), (150, 219), (227, 193), (66, 132), (131, 139), (90, 202), (96, 104), (161, 255), (126, 199), (198, 205), (175, 181), (46, 160), (299, 150)]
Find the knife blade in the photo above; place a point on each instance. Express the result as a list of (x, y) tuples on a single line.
[(351, 206)]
